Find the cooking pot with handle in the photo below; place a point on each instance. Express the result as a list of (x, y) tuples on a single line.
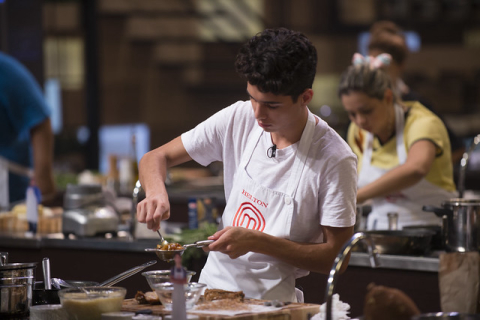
[(461, 224), (16, 286)]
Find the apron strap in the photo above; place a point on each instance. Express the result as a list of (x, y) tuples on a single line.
[(251, 145), (301, 156), (399, 126)]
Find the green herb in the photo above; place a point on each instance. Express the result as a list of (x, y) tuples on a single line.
[(190, 255)]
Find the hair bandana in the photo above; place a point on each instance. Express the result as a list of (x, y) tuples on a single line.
[(379, 61)]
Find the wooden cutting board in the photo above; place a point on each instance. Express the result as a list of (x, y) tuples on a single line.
[(293, 311)]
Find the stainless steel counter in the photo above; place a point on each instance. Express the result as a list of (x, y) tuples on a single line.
[(428, 264), (58, 242)]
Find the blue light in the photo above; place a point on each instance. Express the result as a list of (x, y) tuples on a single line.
[(412, 39)]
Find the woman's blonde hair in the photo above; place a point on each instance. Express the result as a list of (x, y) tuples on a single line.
[(362, 78)]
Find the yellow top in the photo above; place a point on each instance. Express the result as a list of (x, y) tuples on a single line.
[(420, 124)]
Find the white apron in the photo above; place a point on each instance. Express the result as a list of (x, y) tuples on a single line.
[(252, 206), (409, 202)]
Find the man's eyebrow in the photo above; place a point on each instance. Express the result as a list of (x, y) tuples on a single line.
[(267, 102)]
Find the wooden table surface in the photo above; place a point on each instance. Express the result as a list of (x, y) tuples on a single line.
[(293, 311)]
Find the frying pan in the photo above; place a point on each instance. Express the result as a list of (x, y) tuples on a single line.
[(401, 242), (437, 239)]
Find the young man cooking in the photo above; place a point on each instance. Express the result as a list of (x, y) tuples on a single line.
[(290, 180)]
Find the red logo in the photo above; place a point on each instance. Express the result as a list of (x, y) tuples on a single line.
[(248, 216)]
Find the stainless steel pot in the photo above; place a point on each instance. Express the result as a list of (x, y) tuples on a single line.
[(16, 287), (461, 224)]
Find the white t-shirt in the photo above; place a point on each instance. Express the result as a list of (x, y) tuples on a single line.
[(327, 191)]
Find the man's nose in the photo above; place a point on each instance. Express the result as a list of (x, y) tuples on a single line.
[(258, 110)]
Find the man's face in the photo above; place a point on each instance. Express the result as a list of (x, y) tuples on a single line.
[(368, 113), (276, 113)]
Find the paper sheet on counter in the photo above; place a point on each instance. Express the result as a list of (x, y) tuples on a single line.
[(252, 308), (459, 280)]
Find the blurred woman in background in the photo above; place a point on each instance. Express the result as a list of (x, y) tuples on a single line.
[(403, 149), (387, 37)]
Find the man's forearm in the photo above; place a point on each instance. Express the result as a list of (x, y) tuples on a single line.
[(316, 257)]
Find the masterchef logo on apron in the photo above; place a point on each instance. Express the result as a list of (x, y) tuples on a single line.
[(248, 216)]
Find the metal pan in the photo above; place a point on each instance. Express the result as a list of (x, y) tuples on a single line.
[(437, 239), (414, 242)]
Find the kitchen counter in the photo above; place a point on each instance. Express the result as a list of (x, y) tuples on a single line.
[(97, 259), (293, 311), (359, 259)]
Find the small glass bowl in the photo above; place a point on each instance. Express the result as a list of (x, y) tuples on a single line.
[(88, 303), (161, 276), (193, 291)]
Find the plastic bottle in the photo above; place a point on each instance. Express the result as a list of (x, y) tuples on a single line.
[(113, 175), (192, 214), (126, 176), (133, 155), (32, 198)]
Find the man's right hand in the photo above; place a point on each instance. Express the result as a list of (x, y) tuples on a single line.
[(153, 209)]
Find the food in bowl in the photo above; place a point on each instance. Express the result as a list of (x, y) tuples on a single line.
[(161, 276), (89, 303), (170, 246), (193, 291)]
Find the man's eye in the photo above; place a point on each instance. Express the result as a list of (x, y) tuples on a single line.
[(271, 106)]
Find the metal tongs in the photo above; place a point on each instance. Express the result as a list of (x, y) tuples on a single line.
[(168, 255)]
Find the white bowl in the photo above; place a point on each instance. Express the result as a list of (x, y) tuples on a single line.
[(193, 291)]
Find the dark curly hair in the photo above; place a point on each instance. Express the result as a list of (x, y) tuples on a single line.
[(278, 61)]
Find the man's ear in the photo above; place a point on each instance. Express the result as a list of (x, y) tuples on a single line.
[(306, 96)]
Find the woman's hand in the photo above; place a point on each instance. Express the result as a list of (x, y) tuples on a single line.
[(419, 162)]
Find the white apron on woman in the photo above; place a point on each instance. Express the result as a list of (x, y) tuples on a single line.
[(409, 202), (253, 206)]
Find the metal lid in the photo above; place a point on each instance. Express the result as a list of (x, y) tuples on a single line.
[(16, 266), (462, 202)]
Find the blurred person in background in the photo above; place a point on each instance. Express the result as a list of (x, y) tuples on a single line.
[(26, 137), (403, 149), (387, 37)]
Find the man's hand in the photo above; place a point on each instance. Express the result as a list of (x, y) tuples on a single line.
[(233, 241), (153, 209)]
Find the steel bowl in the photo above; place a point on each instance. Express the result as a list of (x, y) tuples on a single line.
[(400, 242)]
